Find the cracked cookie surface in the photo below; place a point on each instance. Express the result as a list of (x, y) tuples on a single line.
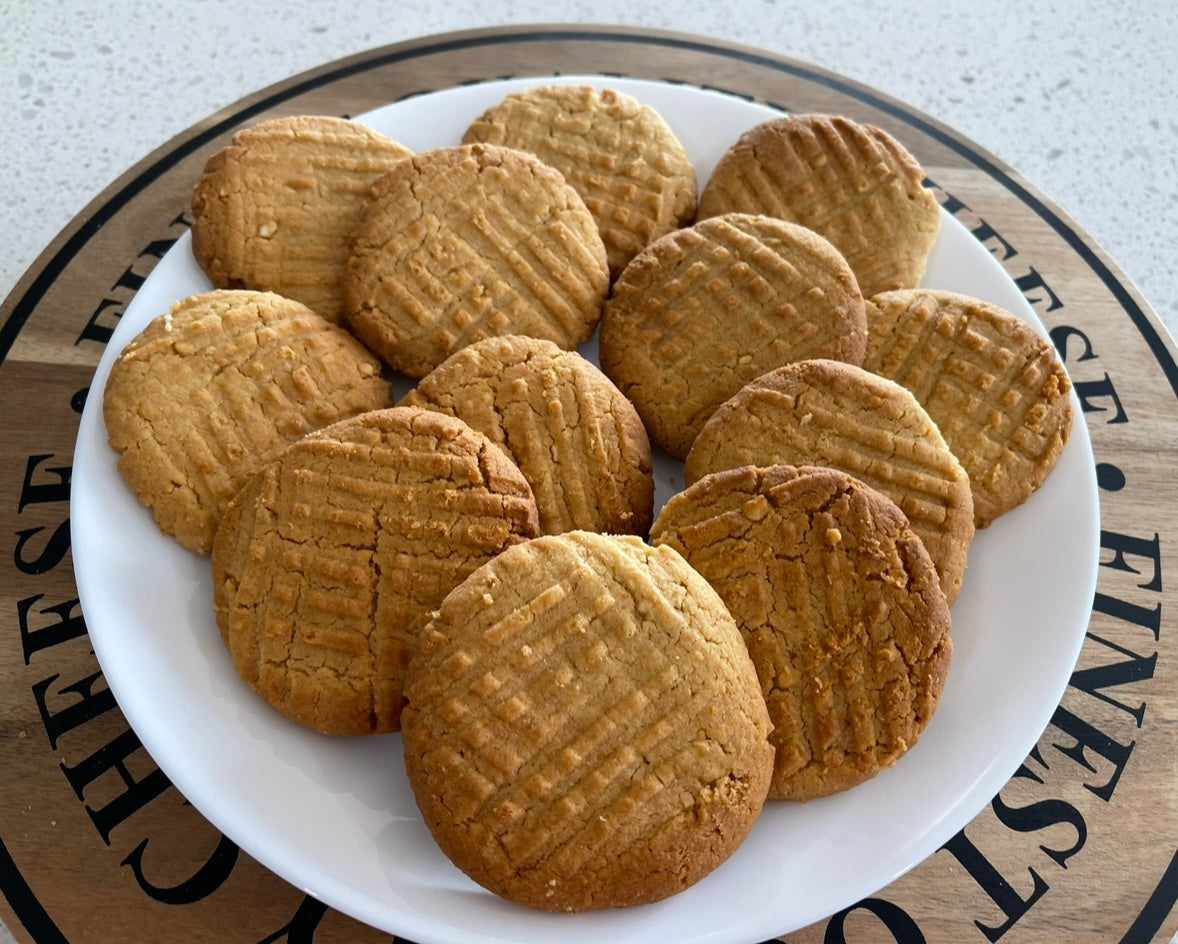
[(840, 607), (273, 210), (618, 154), (994, 387), (463, 243), (706, 309), (198, 399), (331, 559), (584, 727), (580, 444), (828, 413), (853, 183)]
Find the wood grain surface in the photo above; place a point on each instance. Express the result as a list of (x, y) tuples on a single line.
[(1081, 845)]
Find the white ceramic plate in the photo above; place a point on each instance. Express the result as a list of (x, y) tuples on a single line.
[(336, 817)]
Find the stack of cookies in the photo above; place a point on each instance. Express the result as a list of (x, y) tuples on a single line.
[(595, 701)]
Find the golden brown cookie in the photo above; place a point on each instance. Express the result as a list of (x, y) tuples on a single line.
[(577, 440), (827, 413), (618, 154), (853, 183), (274, 209), (331, 559), (704, 310), (584, 727), (994, 387), (464, 243), (205, 392), (841, 609)]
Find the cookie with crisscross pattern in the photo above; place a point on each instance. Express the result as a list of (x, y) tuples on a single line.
[(197, 400), (839, 604), (704, 310), (995, 388), (584, 727), (853, 183), (273, 210), (579, 442), (333, 556), (464, 243), (619, 155), (828, 413)]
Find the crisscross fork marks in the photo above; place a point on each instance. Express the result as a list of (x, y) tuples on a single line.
[(559, 652), (630, 208), (839, 605), (564, 721), (818, 173), (619, 155), (333, 559), (822, 412), (543, 278), (704, 311), (768, 269), (994, 387), (577, 440), (205, 392), (871, 448), (852, 183), (969, 369), (471, 242), (274, 208)]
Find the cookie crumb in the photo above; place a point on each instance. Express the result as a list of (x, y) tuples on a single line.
[(755, 509)]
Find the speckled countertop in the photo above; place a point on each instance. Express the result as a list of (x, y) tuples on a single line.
[(1080, 96)]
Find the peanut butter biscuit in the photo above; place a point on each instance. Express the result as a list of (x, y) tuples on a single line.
[(841, 609), (464, 243), (331, 559), (704, 310), (618, 154), (827, 413), (577, 440), (994, 387), (584, 728), (199, 398), (853, 183), (274, 209)]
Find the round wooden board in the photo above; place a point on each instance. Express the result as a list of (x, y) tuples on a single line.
[(1081, 845)]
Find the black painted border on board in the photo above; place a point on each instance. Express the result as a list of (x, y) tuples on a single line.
[(25, 904), (20, 896), (1158, 906)]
